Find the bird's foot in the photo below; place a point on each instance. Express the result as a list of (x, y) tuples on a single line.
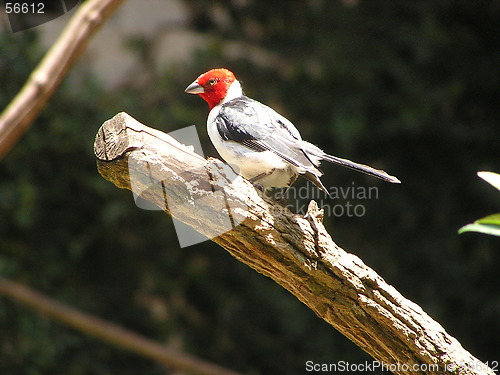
[(281, 199), (259, 187), (280, 196)]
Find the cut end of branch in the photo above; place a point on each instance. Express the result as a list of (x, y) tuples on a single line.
[(109, 143)]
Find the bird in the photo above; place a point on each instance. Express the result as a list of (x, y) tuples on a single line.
[(260, 144)]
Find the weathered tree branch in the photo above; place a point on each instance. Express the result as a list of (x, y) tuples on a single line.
[(45, 79), (109, 332), (294, 250)]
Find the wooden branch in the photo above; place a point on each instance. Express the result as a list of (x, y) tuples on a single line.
[(294, 250), (109, 332), (45, 79)]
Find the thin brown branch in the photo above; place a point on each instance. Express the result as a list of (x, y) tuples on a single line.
[(109, 332), (45, 79), (293, 250)]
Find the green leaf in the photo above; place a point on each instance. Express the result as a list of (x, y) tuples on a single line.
[(490, 219), (491, 223), (492, 229), (491, 178)]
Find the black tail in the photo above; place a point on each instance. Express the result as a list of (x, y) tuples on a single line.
[(362, 168)]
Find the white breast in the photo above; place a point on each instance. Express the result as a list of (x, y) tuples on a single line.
[(247, 162)]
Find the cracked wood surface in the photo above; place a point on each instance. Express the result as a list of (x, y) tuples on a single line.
[(294, 250)]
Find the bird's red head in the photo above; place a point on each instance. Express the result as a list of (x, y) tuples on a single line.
[(213, 86)]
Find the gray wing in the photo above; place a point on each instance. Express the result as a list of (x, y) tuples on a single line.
[(260, 128)]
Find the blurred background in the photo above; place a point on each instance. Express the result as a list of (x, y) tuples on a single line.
[(409, 87)]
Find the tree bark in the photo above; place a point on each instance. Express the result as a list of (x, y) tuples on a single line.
[(293, 250)]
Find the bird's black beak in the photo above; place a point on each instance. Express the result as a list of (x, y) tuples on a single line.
[(194, 88)]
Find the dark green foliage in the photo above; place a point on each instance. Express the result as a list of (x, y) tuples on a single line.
[(411, 87)]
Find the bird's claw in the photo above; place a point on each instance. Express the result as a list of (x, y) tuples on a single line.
[(259, 186)]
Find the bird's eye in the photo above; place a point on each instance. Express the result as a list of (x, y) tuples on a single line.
[(212, 81)]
